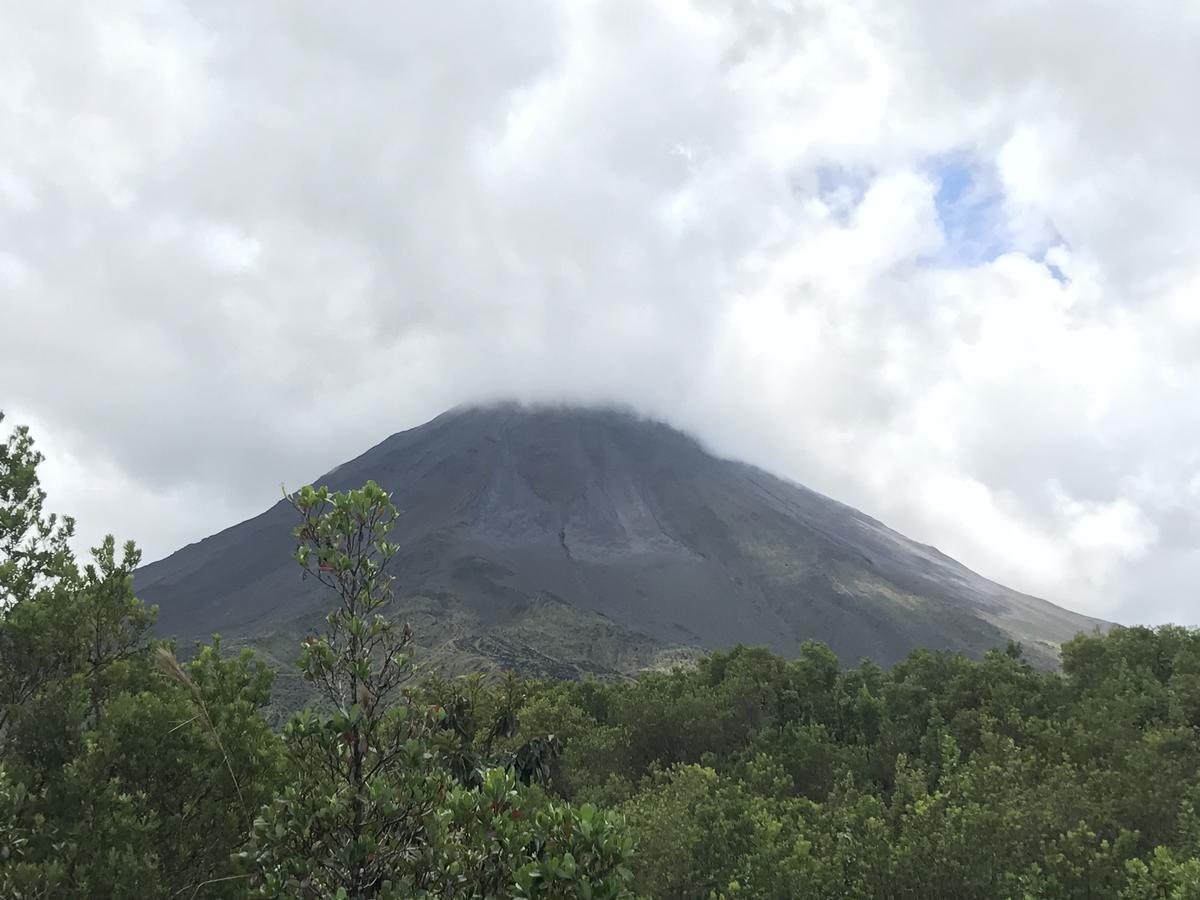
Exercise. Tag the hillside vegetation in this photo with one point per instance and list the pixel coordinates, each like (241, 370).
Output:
(125, 773)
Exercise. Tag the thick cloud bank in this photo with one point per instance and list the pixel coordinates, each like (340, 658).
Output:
(940, 261)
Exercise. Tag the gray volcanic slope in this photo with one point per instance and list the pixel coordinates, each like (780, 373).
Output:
(596, 517)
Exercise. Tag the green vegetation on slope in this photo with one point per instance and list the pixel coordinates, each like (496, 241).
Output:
(124, 773)
(549, 640)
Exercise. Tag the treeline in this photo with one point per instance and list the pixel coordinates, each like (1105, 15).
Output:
(126, 773)
(942, 777)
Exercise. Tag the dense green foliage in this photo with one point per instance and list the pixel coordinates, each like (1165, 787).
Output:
(943, 777)
(125, 773)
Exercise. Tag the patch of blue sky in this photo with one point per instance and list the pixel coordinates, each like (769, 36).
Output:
(969, 203)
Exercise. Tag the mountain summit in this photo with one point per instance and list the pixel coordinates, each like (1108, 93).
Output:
(570, 540)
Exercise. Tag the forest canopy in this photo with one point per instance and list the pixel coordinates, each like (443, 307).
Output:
(125, 772)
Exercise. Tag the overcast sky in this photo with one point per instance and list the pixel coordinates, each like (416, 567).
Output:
(938, 260)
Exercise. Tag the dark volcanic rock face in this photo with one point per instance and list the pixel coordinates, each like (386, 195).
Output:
(507, 509)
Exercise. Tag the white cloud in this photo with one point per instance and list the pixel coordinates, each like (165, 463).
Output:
(241, 242)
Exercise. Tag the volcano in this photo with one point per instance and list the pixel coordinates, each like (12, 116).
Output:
(568, 541)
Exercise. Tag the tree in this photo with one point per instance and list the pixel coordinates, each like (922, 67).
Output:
(110, 773)
(34, 546)
(37, 574)
(378, 803)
